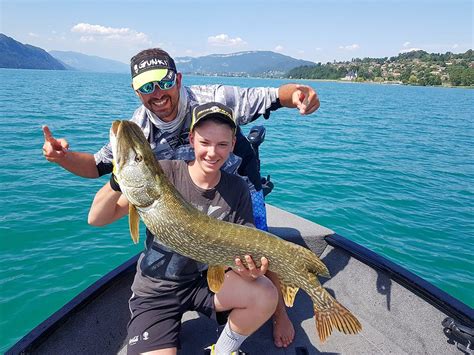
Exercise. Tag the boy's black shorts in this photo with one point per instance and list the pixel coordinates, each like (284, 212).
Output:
(156, 321)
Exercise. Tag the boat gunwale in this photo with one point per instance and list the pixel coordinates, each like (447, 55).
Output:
(414, 283)
(40, 333)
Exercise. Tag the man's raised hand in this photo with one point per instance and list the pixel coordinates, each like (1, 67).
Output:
(53, 149)
(306, 99)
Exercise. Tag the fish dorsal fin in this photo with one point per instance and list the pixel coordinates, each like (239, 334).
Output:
(311, 261)
(288, 290)
(133, 223)
(215, 277)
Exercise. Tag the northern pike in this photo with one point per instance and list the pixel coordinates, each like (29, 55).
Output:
(178, 225)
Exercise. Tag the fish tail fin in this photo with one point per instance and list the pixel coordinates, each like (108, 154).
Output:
(330, 314)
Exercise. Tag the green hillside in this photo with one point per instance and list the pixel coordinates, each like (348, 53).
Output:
(14, 54)
(413, 68)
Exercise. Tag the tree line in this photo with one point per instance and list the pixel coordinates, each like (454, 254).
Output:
(412, 68)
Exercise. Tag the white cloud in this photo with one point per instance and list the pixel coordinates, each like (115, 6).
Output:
(98, 29)
(279, 48)
(87, 39)
(410, 50)
(32, 34)
(90, 33)
(351, 47)
(318, 49)
(225, 40)
(406, 44)
(455, 45)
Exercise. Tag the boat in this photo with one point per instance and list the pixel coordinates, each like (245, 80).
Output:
(400, 312)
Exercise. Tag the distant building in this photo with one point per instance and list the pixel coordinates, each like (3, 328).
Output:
(350, 76)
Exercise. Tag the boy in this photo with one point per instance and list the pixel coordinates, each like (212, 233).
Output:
(168, 284)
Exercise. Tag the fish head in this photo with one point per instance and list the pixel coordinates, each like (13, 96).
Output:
(135, 166)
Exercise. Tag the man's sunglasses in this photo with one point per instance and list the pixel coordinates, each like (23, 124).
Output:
(149, 88)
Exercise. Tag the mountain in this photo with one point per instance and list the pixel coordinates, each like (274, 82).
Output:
(252, 63)
(82, 62)
(14, 54)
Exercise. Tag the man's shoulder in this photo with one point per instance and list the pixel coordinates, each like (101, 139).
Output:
(139, 115)
(208, 87)
(216, 90)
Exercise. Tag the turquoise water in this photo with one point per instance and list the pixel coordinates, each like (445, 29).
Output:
(390, 167)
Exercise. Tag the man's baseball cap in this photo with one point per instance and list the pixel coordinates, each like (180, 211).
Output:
(215, 110)
(152, 67)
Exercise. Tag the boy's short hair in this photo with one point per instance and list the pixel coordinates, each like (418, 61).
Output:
(214, 111)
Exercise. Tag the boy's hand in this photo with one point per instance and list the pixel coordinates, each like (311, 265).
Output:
(251, 272)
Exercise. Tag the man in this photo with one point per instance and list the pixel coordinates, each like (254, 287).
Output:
(168, 284)
(165, 118)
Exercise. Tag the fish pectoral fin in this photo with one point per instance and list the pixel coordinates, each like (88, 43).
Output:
(133, 223)
(288, 290)
(215, 277)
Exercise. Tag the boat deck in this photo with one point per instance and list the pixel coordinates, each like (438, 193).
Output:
(395, 320)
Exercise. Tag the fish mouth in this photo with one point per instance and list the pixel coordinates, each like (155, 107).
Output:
(115, 127)
(113, 140)
(130, 186)
(122, 143)
(147, 208)
(130, 153)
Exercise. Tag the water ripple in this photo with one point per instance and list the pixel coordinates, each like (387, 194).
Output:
(390, 167)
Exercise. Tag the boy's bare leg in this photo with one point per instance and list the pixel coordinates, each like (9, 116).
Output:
(283, 330)
(252, 302)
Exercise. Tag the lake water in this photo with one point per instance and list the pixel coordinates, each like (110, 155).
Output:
(390, 167)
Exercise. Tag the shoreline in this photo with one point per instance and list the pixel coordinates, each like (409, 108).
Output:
(389, 83)
(270, 78)
(395, 83)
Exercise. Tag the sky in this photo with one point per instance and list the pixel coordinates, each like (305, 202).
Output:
(319, 31)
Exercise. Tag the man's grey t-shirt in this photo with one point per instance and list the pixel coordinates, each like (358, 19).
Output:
(229, 201)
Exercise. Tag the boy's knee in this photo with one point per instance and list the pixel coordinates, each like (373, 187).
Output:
(267, 297)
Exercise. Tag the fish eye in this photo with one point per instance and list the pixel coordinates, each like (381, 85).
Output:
(138, 158)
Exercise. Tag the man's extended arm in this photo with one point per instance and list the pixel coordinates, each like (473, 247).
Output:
(56, 151)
